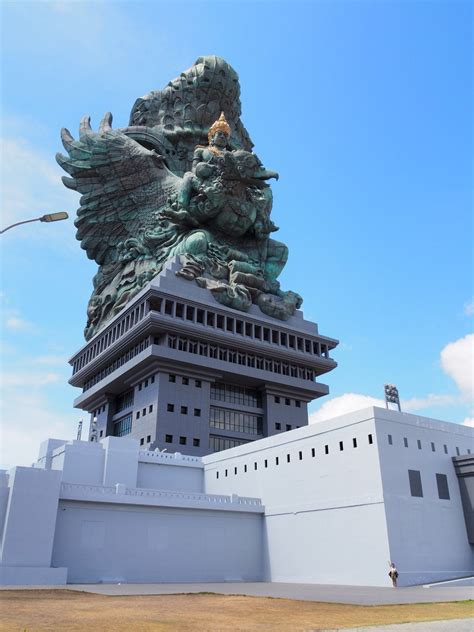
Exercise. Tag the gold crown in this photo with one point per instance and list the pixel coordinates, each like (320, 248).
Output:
(221, 124)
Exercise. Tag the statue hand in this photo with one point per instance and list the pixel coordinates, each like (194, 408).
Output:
(179, 217)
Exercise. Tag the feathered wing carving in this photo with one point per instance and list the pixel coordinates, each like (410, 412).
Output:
(123, 187)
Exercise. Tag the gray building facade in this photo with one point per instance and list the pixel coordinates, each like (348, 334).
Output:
(176, 370)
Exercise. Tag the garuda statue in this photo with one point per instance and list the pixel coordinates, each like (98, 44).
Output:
(180, 180)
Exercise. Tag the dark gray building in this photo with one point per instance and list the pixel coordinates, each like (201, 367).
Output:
(177, 370)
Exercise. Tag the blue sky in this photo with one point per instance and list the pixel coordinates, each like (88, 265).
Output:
(364, 108)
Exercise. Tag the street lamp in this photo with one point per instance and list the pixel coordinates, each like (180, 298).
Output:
(51, 217)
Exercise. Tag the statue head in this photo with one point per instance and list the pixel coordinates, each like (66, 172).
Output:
(219, 132)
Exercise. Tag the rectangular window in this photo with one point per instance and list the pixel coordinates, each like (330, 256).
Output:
(184, 410)
(171, 378)
(265, 463)
(217, 474)
(288, 458)
(137, 416)
(288, 427)
(142, 441)
(143, 412)
(405, 442)
(101, 434)
(341, 446)
(313, 452)
(197, 412)
(170, 408)
(297, 403)
(197, 383)
(245, 468)
(326, 449)
(445, 449)
(140, 386)
(418, 443)
(255, 465)
(390, 440)
(225, 472)
(277, 399)
(146, 383)
(443, 490)
(416, 488)
(457, 451)
(287, 401)
(123, 426)
(433, 448)
(182, 441)
(185, 381)
(148, 439)
(277, 460)
(371, 440)
(168, 438)
(277, 426)
(354, 442)
(196, 443)
(150, 408)
(300, 454)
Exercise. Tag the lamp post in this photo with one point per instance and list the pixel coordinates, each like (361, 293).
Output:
(51, 217)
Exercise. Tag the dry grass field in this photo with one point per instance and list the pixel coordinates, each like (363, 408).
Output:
(58, 610)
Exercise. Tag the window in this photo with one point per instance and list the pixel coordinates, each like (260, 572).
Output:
(416, 488)
(288, 427)
(445, 449)
(143, 412)
(217, 474)
(150, 408)
(197, 383)
(170, 408)
(148, 439)
(433, 448)
(182, 441)
(185, 381)
(184, 410)
(297, 403)
(457, 451)
(124, 401)
(197, 412)
(371, 440)
(146, 383)
(288, 458)
(171, 378)
(236, 394)
(390, 440)
(277, 426)
(236, 421)
(287, 401)
(226, 472)
(341, 445)
(168, 438)
(101, 434)
(140, 386)
(265, 463)
(277, 399)
(235, 471)
(443, 490)
(142, 441)
(300, 455)
(405, 442)
(216, 444)
(152, 380)
(137, 416)
(354, 442)
(418, 443)
(123, 426)
(277, 460)
(196, 443)
(255, 466)
(245, 468)
(313, 452)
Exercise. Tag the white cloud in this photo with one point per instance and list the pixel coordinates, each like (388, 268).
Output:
(343, 404)
(31, 184)
(469, 308)
(457, 361)
(415, 403)
(15, 323)
(29, 379)
(469, 421)
(50, 360)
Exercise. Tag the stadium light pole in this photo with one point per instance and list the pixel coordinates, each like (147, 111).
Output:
(51, 217)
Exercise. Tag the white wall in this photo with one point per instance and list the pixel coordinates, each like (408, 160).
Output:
(103, 543)
(428, 538)
(325, 520)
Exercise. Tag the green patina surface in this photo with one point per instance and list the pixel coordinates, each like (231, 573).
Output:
(180, 180)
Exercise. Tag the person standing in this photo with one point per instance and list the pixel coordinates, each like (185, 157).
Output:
(393, 574)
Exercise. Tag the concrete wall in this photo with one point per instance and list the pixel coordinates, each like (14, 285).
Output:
(428, 539)
(119, 543)
(324, 514)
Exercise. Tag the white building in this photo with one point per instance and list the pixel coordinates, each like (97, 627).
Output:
(327, 503)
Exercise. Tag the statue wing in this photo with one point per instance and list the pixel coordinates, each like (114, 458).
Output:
(123, 186)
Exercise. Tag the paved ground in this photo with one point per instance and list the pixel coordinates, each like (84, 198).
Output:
(363, 595)
(455, 625)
